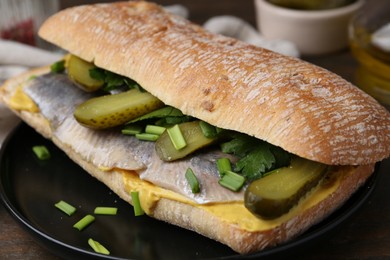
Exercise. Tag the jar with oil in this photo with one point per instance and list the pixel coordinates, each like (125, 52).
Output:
(370, 45)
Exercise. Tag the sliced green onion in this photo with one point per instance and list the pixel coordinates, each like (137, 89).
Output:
(105, 211)
(138, 211)
(192, 180)
(147, 137)
(65, 207)
(232, 181)
(58, 66)
(132, 130)
(154, 129)
(41, 152)
(177, 137)
(32, 77)
(84, 222)
(208, 130)
(223, 165)
(97, 247)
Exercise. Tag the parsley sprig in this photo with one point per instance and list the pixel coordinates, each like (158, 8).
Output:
(112, 80)
(256, 157)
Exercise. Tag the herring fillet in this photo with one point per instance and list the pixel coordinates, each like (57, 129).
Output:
(57, 97)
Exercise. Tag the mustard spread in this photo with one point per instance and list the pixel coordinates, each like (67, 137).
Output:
(231, 212)
(21, 101)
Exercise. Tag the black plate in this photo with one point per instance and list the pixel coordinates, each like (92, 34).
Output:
(29, 188)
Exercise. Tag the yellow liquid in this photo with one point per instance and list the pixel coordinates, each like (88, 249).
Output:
(373, 74)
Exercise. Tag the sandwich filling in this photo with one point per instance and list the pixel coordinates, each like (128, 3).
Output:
(142, 169)
(231, 210)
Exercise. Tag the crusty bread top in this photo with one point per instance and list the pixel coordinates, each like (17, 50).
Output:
(292, 104)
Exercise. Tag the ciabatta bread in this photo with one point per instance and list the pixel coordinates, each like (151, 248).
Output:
(302, 108)
(287, 102)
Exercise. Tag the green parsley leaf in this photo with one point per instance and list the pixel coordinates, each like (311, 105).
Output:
(256, 157)
(282, 158)
(133, 84)
(98, 74)
(112, 80)
(158, 114)
(240, 145)
(256, 162)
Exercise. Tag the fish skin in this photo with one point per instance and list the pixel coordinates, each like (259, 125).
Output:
(171, 175)
(109, 149)
(101, 148)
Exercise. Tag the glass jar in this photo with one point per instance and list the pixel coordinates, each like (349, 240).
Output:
(369, 34)
(20, 19)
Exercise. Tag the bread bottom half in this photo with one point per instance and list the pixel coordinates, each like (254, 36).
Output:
(330, 195)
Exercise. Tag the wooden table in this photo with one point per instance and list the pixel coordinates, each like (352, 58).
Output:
(366, 234)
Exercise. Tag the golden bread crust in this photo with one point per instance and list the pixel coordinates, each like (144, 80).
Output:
(300, 107)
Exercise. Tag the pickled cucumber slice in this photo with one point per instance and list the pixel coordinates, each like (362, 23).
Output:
(275, 194)
(193, 136)
(78, 71)
(113, 110)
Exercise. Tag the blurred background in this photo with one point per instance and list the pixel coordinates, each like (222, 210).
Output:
(199, 14)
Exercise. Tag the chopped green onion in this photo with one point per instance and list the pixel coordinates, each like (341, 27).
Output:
(58, 66)
(154, 129)
(65, 207)
(97, 247)
(223, 165)
(32, 77)
(208, 130)
(138, 211)
(177, 137)
(147, 137)
(132, 130)
(41, 152)
(192, 180)
(84, 222)
(232, 181)
(105, 211)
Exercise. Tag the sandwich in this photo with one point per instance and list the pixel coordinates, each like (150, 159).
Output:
(237, 143)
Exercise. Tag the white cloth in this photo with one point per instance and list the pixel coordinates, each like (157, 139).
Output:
(16, 58)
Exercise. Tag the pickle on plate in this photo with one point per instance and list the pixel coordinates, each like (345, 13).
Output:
(114, 110)
(78, 71)
(275, 194)
(193, 136)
